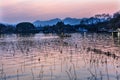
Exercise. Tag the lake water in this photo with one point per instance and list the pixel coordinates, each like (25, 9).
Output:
(86, 56)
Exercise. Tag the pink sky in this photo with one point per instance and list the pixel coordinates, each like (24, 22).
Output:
(31, 10)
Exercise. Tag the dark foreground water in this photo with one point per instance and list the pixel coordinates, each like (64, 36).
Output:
(85, 56)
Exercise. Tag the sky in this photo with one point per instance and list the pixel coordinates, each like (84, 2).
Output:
(14, 11)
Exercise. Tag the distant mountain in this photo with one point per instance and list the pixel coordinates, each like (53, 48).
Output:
(51, 22)
(68, 20)
(71, 21)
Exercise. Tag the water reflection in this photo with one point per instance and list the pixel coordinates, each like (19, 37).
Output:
(87, 56)
(25, 35)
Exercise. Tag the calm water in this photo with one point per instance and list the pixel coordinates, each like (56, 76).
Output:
(48, 57)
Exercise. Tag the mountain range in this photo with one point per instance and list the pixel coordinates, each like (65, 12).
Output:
(68, 20)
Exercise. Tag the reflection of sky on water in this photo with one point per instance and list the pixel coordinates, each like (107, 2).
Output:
(54, 58)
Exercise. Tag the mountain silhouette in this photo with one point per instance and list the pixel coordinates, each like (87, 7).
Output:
(51, 22)
(68, 20)
(71, 21)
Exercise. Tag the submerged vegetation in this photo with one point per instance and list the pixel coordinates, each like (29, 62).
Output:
(92, 56)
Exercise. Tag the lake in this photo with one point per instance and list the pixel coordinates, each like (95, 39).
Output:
(83, 56)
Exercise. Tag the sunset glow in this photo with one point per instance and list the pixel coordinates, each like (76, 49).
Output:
(30, 10)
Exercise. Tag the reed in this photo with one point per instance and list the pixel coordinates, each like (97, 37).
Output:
(17, 74)
(32, 74)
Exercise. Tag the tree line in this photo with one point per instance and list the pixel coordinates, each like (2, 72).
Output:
(97, 23)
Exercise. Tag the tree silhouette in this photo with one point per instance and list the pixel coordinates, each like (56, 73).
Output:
(25, 27)
(2, 28)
